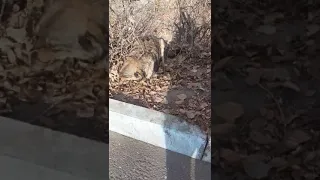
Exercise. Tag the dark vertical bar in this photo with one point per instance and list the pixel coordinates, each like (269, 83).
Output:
(261, 122)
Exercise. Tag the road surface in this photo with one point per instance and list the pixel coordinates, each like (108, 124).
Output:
(130, 159)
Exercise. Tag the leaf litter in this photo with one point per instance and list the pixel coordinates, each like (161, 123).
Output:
(266, 122)
(179, 93)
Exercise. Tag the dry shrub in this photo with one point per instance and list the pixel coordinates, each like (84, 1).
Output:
(192, 27)
(184, 24)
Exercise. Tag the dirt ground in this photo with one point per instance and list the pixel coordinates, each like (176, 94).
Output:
(61, 86)
(265, 90)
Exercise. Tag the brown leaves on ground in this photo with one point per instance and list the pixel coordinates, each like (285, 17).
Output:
(267, 55)
(256, 169)
(183, 90)
(229, 111)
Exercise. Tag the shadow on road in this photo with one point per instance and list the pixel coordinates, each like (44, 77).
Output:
(180, 166)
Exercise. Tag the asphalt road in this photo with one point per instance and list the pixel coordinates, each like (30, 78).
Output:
(130, 159)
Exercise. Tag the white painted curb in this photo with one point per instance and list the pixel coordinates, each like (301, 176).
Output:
(157, 128)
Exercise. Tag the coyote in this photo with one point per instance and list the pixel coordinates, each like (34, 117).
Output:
(144, 59)
(74, 28)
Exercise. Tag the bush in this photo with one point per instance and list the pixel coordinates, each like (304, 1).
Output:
(184, 24)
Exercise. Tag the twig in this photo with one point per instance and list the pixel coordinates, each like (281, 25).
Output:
(275, 100)
(3, 4)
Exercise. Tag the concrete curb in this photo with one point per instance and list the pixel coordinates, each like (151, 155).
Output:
(159, 129)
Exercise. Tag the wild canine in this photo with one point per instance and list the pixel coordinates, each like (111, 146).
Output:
(144, 59)
(73, 28)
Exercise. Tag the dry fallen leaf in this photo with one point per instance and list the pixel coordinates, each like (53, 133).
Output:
(85, 112)
(278, 162)
(256, 169)
(220, 129)
(8, 85)
(190, 114)
(254, 76)
(296, 137)
(165, 101)
(53, 67)
(310, 92)
(229, 111)
(203, 105)
(312, 29)
(273, 74)
(157, 99)
(3, 100)
(182, 96)
(179, 102)
(5, 43)
(194, 70)
(291, 85)
(311, 175)
(267, 29)
(46, 55)
(256, 157)
(261, 138)
(270, 18)
(286, 84)
(263, 111)
(257, 123)
(230, 156)
(312, 155)
(17, 34)
(270, 114)
(221, 63)
(11, 56)
(57, 99)
(18, 52)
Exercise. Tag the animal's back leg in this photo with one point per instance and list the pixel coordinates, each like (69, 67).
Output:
(162, 53)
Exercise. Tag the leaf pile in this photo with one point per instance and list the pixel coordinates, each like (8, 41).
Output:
(266, 89)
